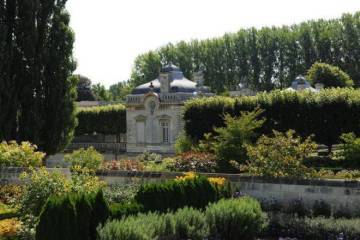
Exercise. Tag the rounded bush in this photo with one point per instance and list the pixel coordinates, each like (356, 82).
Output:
(234, 219)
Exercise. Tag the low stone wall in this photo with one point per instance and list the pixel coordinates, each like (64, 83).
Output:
(338, 193)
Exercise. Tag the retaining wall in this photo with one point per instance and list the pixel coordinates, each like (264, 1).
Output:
(338, 193)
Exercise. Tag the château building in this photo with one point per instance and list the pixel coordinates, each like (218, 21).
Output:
(154, 110)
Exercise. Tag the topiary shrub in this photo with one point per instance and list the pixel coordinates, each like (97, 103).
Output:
(72, 217)
(234, 219)
(58, 220)
(191, 190)
(329, 76)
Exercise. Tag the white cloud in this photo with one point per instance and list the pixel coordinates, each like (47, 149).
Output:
(111, 33)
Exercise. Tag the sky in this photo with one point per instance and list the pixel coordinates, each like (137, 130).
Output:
(111, 33)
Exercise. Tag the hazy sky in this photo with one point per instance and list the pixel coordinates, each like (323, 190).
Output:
(111, 33)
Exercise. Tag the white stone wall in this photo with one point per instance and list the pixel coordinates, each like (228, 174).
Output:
(153, 132)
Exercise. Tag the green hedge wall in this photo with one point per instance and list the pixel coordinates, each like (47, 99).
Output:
(109, 119)
(326, 115)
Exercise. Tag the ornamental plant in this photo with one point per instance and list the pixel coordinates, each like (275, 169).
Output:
(351, 149)
(195, 161)
(24, 154)
(39, 185)
(230, 141)
(233, 219)
(188, 190)
(280, 155)
(330, 76)
(85, 158)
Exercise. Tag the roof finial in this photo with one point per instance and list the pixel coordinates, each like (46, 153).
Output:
(151, 86)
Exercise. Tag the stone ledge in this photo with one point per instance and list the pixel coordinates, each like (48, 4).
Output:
(5, 172)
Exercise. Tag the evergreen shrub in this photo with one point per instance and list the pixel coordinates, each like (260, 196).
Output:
(326, 114)
(72, 217)
(194, 192)
(109, 119)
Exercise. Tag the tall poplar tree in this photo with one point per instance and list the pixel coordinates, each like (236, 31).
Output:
(37, 91)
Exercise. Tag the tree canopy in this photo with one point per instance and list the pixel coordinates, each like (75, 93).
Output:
(37, 91)
(263, 59)
(329, 76)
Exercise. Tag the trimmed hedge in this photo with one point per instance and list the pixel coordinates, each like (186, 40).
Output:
(326, 114)
(228, 219)
(72, 217)
(109, 119)
(175, 194)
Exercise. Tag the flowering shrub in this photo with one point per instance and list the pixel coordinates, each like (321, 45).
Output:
(217, 181)
(85, 158)
(39, 186)
(148, 156)
(124, 165)
(84, 181)
(195, 161)
(25, 154)
(10, 194)
(121, 193)
(280, 156)
(9, 228)
(186, 176)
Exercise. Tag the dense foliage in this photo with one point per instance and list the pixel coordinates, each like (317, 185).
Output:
(40, 184)
(190, 190)
(84, 92)
(72, 216)
(20, 155)
(234, 219)
(351, 149)
(327, 114)
(85, 158)
(37, 90)
(280, 156)
(109, 119)
(329, 76)
(230, 141)
(261, 58)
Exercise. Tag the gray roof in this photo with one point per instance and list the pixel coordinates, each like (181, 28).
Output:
(178, 83)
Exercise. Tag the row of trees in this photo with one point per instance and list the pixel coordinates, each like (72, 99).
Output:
(37, 91)
(263, 58)
(89, 92)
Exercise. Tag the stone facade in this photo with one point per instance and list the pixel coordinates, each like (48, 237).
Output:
(154, 111)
